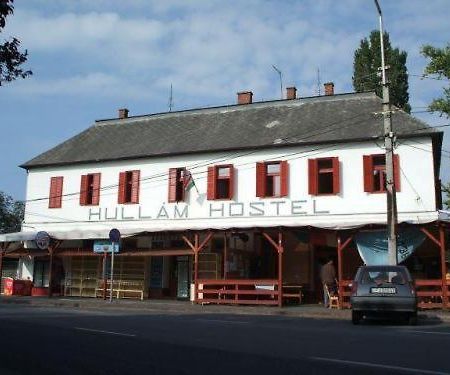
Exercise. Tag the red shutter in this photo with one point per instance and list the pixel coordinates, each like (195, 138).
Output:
(397, 172)
(211, 189)
(336, 176)
(172, 192)
(231, 195)
(83, 190)
(312, 177)
(135, 181)
(368, 173)
(122, 187)
(96, 188)
(56, 188)
(284, 177)
(260, 180)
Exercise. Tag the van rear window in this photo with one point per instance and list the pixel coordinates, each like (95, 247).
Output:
(383, 277)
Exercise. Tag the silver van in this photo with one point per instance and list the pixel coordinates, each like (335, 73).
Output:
(383, 290)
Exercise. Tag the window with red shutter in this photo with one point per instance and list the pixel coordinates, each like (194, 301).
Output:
(284, 172)
(176, 185)
(260, 180)
(272, 179)
(129, 187)
(90, 189)
(96, 178)
(312, 177)
(56, 191)
(323, 176)
(220, 182)
(375, 173)
(122, 187)
(368, 173)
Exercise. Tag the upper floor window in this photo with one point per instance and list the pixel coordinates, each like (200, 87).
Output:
(375, 173)
(129, 187)
(323, 176)
(56, 190)
(220, 182)
(90, 189)
(272, 179)
(176, 184)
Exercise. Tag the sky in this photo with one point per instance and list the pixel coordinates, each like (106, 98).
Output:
(91, 57)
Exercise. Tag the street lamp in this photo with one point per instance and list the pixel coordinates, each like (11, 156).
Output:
(389, 146)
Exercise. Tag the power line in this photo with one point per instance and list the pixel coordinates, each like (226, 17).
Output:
(208, 162)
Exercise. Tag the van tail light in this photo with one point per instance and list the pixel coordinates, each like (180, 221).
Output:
(412, 284)
(354, 286)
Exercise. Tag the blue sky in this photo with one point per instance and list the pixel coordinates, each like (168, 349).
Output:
(90, 58)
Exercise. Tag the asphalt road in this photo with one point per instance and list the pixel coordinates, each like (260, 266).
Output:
(72, 341)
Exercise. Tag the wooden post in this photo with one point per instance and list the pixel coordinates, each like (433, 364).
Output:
(340, 286)
(196, 240)
(443, 267)
(225, 256)
(50, 272)
(105, 283)
(280, 268)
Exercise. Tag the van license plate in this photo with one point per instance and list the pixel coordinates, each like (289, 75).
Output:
(383, 290)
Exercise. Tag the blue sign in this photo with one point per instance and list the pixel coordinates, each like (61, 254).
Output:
(105, 246)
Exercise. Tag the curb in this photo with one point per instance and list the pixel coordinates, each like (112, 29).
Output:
(306, 311)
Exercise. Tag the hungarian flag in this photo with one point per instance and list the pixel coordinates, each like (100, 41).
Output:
(188, 181)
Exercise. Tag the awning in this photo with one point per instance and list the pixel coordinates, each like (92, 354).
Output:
(93, 230)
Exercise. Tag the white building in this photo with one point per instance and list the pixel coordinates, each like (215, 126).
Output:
(299, 176)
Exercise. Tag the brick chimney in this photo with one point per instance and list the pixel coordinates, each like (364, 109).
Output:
(123, 113)
(244, 97)
(291, 93)
(329, 88)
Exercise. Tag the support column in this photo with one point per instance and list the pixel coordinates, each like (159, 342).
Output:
(340, 270)
(340, 248)
(279, 248)
(225, 245)
(50, 271)
(443, 267)
(280, 269)
(105, 282)
(196, 267)
(51, 250)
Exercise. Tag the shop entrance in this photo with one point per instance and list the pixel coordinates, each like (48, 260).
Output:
(170, 277)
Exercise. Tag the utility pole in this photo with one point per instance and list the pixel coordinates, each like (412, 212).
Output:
(389, 146)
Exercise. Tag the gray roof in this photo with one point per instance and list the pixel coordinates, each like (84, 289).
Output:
(312, 120)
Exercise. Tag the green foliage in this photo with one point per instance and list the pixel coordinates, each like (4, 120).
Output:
(445, 188)
(11, 58)
(439, 67)
(11, 214)
(367, 61)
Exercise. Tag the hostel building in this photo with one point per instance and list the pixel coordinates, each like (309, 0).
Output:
(233, 204)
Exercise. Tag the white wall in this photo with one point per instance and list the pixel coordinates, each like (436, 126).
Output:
(416, 201)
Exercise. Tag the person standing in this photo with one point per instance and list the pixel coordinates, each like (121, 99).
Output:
(328, 279)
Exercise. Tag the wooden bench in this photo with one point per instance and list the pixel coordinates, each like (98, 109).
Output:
(293, 292)
(122, 289)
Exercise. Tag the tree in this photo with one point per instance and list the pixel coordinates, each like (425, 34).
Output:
(439, 67)
(11, 58)
(445, 189)
(11, 214)
(367, 61)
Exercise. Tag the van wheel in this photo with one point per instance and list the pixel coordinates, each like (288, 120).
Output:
(356, 317)
(412, 319)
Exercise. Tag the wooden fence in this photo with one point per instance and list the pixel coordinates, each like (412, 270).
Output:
(431, 294)
(239, 292)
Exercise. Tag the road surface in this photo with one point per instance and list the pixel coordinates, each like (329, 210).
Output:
(38, 340)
